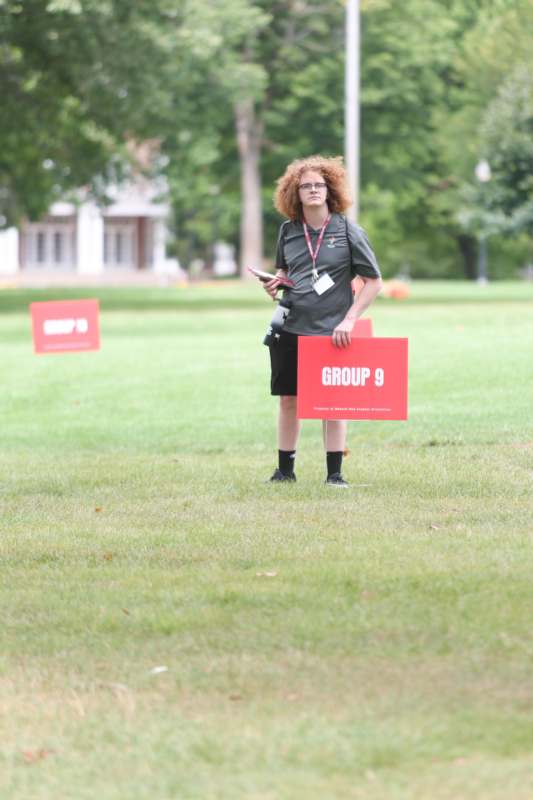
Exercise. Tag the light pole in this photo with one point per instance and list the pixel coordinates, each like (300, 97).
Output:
(351, 104)
(483, 174)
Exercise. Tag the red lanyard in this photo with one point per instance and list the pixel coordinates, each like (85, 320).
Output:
(314, 253)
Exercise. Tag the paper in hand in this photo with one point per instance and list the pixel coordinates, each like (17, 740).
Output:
(267, 276)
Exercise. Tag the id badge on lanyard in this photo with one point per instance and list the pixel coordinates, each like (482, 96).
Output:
(323, 282)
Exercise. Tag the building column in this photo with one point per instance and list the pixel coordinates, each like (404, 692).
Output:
(158, 246)
(90, 240)
(9, 252)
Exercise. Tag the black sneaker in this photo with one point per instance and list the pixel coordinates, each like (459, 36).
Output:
(336, 479)
(280, 476)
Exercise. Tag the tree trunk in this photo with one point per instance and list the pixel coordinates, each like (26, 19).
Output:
(468, 247)
(249, 136)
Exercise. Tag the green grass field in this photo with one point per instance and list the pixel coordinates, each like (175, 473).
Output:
(374, 643)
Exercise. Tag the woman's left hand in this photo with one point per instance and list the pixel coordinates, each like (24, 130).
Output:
(342, 335)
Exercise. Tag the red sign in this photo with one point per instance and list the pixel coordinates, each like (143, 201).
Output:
(65, 326)
(367, 380)
(362, 327)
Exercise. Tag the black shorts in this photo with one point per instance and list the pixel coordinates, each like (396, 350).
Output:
(284, 364)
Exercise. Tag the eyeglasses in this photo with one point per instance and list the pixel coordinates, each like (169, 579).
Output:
(307, 187)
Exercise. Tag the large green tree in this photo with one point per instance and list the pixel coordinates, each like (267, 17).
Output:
(272, 75)
(475, 124)
(76, 77)
(507, 140)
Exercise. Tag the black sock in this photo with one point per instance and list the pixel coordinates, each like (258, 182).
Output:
(334, 460)
(286, 461)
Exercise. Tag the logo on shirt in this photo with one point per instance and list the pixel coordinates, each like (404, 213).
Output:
(331, 242)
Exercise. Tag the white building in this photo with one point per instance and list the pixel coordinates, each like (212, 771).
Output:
(83, 241)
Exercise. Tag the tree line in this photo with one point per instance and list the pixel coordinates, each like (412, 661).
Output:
(231, 92)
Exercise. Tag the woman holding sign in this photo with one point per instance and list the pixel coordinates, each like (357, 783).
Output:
(320, 252)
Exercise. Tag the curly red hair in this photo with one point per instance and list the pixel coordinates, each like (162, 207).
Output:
(287, 199)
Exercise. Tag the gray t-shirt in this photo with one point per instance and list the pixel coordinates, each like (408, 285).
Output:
(345, 253)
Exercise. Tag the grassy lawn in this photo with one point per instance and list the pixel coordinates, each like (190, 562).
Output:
(173, 627)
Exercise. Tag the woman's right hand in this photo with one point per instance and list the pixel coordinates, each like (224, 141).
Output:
(271, 287)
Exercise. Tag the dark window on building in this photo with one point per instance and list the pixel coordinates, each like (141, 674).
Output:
(118, 248)
(58, 247)
(41, 251)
